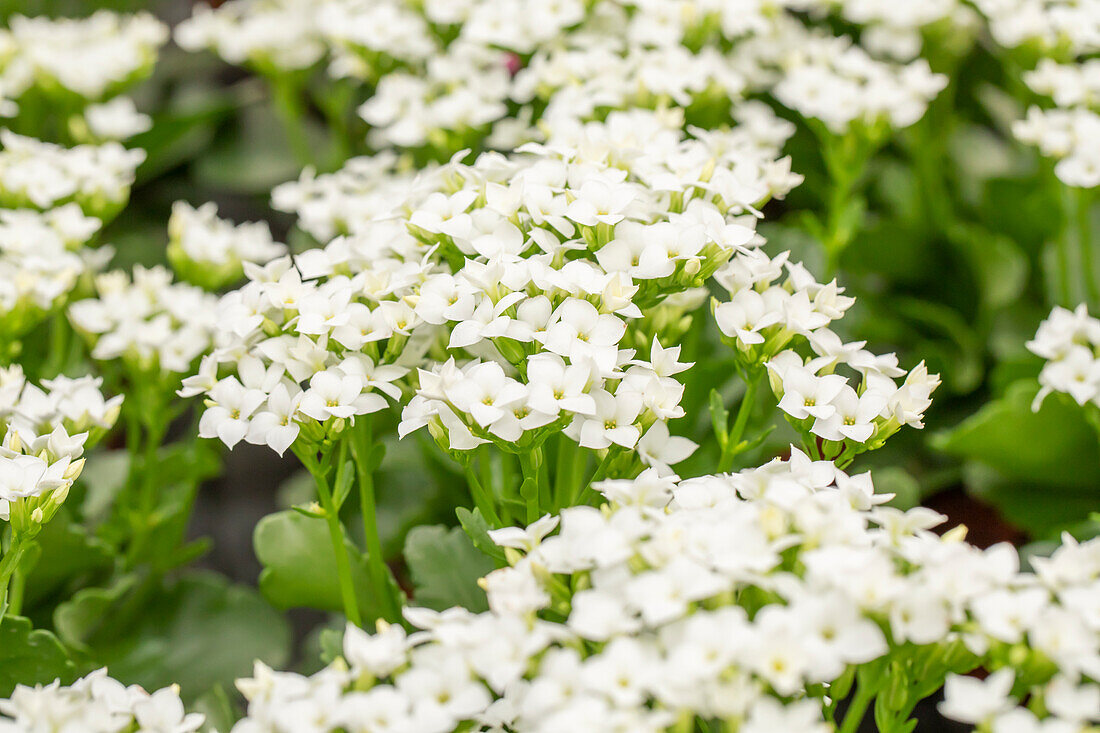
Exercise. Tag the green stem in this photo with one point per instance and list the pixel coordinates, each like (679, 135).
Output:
(145, 483)
(287, 96)
(729, 450)
(1084, 242)
(563, 469)
(530, 462)
(482, 500)
(586, 494)
(9, 564)
(15, 595)
(59, 346)
(362, 447)
(336, 535)
(1062, 244)
(854, 715)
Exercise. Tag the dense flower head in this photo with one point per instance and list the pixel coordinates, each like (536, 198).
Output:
(209, 251)
(148, 321)
(88, 57)
(523, 286)
(1069, 132)
(42, 175)
(1058, 26)
(96, 703)
(569, 264)
(895, 29)
(42, 259)
(1069, 341)
(118, 119)
(349, 200)
(777, 317)
(444, 76)
(748, 597)
(835, 81)
(43, 434)
(273, 34)
(1070, 136)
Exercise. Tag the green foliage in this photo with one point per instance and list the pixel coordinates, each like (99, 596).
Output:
(198, 631)
(30, 656)
(298, 570)
(445, 567)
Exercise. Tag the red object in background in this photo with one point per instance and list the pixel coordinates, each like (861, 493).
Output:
(985, 525)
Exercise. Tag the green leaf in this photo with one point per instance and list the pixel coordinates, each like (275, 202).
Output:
(298, 566)
(216, 705)
(89, 610)
(1054, 446)
(1042, 511)
(68, 552)
(719, 416)
(257, 156)
(30, 656)
(445, 567)
(899, 482)
(1000, 266)
(477, 529)
(199, 631)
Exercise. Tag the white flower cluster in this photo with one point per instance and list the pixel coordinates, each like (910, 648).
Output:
(335, 330)
(1070, 343)
(1055, 26)
(1070, 131)
(42, 258)
(764, 320)
(271, 34)
(42, 175)
(210, 251)
(992, 705)
(895, 29)
(44, 433)
(96, 703)
(835, 81)
(348, 201)
(565, 260)
(717, 598)
(148, 321)
(448, 74)
(88, 57)
(117, 119)
(531, 279)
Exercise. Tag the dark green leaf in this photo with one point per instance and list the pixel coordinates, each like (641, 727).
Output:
(30, 656)
(445, 567)
(477, 529)
(200, 631)
(299, 568)
(68, 552)
(1055, 446)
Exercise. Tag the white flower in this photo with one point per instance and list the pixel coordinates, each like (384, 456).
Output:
(227, 418)
(970, 700)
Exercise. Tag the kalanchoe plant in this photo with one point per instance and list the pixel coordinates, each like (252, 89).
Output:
(755, 601)
(555, 277)
(45, 433)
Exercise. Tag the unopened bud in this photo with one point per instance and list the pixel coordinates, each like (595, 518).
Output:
(956, 534)
(74, 470)
(59, 495)
(37, 516)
